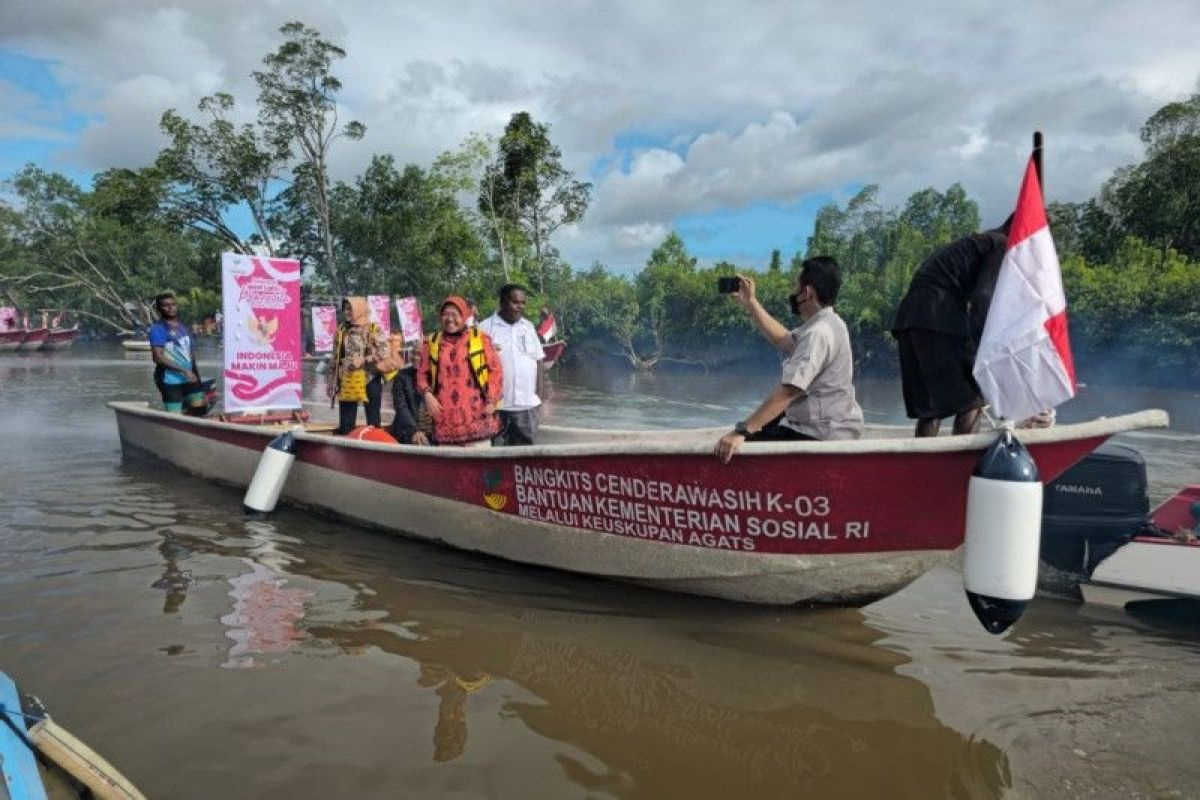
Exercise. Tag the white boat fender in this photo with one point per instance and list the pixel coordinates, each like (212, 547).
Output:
(267, 484)
(1004, 529)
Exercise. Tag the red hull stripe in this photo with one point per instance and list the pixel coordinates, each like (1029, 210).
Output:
(803, 504)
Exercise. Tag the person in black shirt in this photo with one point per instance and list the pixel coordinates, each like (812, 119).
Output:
(938, 326)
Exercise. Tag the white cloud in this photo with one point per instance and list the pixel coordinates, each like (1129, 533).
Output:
(739, 103)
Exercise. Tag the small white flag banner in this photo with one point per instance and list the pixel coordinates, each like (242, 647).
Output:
(324, 322)
(409, 311)
(381, 313)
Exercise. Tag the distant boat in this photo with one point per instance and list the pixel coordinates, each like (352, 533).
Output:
(10, 340)
(553, 351)
(60, 338)
(34, 339)
(1098, 534)
(136, 345)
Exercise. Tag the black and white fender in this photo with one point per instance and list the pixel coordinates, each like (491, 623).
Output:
(267, 484)
(1004, 527)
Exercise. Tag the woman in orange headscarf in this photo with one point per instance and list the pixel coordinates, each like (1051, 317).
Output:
(357, 350)
(459, 376)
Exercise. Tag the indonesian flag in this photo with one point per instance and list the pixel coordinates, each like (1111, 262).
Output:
(1024, 363)
(547, 328)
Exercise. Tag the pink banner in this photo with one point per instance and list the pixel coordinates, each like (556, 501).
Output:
(380, 313)
(8, 318)
(409, 311)
(324, 322)
(261, 301)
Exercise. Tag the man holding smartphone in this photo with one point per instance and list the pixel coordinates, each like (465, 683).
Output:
(815, 397)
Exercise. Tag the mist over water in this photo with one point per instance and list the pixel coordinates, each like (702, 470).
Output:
(208, 655)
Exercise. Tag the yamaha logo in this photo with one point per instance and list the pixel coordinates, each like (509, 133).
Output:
(1075, 488)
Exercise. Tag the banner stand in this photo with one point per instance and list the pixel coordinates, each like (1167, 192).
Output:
(262, 339)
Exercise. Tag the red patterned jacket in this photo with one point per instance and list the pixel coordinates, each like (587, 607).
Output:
(464, 417)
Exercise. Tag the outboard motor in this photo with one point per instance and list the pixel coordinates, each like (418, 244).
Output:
(1091, 510)
(1004, 516)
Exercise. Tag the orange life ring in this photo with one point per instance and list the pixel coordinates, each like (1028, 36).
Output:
(369, 433)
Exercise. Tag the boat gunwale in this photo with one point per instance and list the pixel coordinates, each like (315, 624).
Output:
(626, 442)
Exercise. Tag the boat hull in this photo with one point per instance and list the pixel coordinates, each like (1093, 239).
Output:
(1152, 567)
(11, 340)
(1146, 569)
(828, 522)
(34, 339)
(60, 339)
(553, 352)
(136, 345)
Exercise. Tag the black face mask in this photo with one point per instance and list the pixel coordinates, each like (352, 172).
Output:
(794, 302)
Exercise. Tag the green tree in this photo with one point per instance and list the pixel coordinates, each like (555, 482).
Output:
(601, 311)
(879, 249)
(215, 167)
(536, 193)
(297, 107)
(101, 254)
(1158, 200)
(776, 261)
(404, 232)
(470, 168)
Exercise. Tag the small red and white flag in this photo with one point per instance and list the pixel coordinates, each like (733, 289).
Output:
(547, 328)
(1024, 363)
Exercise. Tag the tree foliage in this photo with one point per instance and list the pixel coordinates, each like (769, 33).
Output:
(297, 108)
(529, 186)
(486, 214)
(403, 232)
(1158, 199)
(216, 167)
(99, 255)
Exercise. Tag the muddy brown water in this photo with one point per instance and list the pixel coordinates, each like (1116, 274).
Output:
(212, 656)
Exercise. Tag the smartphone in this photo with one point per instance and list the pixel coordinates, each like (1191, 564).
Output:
(728, 285)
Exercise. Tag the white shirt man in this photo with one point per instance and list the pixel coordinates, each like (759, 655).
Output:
(522, 360)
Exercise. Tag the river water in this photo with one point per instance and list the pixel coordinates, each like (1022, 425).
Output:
(211, 656)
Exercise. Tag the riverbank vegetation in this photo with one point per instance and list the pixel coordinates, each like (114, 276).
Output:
(486, 212)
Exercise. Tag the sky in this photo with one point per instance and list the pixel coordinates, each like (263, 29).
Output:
(729, 122)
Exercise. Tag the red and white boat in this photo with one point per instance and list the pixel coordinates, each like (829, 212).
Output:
(840, 522)
(1101, 541)
(1153, 568)
(34, 339)
(553, 351)
(11, 339)
(60, 338)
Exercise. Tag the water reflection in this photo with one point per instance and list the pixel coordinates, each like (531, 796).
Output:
(264, 617)
(690, 698)
(392, 664)
(175, 580)
(266, 612)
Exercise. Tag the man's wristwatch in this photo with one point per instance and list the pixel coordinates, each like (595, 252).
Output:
(740, 429)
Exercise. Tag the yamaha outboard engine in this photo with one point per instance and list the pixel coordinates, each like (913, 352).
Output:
(1090, 510)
